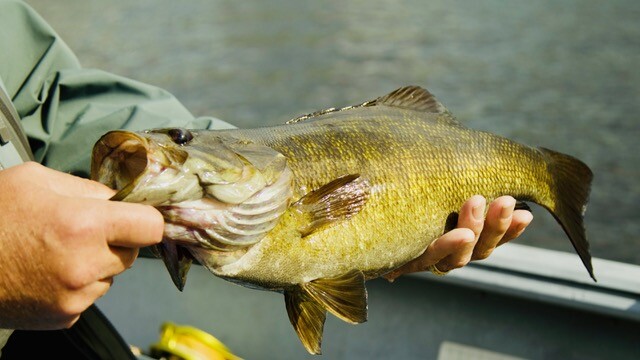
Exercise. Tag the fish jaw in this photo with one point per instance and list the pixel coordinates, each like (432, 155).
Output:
(119, 157)
(143, 170)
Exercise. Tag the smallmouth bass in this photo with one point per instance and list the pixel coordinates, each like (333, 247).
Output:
(316, 207)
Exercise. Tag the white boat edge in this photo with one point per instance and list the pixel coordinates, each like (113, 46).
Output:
(553, 277)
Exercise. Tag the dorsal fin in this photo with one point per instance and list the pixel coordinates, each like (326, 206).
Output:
(408, 97)
(335, 201)
(413, 98)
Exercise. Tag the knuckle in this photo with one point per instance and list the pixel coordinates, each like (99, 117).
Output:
(469, 235)
(458, 263)
(75, 276)
(481, 255)
(72, 228)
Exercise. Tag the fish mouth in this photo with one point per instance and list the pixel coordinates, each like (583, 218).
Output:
(119, 158)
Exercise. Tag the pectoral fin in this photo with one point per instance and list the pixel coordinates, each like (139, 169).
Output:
(344, 296)
(338, 200)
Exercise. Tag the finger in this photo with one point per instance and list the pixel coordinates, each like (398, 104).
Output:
(131, 225)
(520, 220)
(78, 301)
(462, 241)
(497, 222)
(70, 185)
(472, 215)
(450, 243)
(121, 259)
(90, 293)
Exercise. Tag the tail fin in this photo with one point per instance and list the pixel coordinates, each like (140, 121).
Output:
(570, 187)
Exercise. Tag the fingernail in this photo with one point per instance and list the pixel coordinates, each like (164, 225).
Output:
(478, 212)
(506, 212)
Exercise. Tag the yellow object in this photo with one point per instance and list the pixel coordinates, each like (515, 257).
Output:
(180, 342)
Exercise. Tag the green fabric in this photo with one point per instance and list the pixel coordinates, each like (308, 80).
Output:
(65, 108)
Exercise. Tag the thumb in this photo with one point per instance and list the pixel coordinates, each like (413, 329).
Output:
(74, 186)
(131, 225)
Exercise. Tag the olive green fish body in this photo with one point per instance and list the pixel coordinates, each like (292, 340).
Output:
(420, 168)
(315, 207)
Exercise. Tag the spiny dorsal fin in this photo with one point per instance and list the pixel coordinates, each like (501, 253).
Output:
(408, 97)
(338, 200)
(307, 317)
(413, 98)
(344, 296)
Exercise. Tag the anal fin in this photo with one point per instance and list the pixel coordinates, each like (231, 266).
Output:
(344, 296)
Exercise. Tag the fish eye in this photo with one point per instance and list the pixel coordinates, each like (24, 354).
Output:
(180, 136)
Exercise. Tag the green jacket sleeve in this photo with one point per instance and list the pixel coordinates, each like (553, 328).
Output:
(65, 108)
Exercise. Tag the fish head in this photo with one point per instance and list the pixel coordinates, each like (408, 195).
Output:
(167, 166)
(218, 195)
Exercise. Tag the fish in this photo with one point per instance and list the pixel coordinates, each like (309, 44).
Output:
(317, 206)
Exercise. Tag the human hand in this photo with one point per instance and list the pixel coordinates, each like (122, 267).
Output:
(474, 238)
(62, 242)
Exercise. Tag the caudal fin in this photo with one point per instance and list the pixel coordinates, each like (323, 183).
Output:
(570, 189)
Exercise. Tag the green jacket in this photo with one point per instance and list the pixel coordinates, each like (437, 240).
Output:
(65, 108)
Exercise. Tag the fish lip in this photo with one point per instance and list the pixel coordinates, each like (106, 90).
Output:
(125, 149)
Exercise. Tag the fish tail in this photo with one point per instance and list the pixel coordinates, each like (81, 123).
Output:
(570, 187)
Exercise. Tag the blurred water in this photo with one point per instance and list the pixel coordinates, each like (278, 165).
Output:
(559, 74)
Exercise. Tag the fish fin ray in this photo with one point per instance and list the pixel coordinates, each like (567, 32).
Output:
(571, 186)
(329, 111)
(307, 317)
(410, 97)
(414, 98)
(335, 201)
(155, 251)
(344, 296)
(178, 261)
(521, 205)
